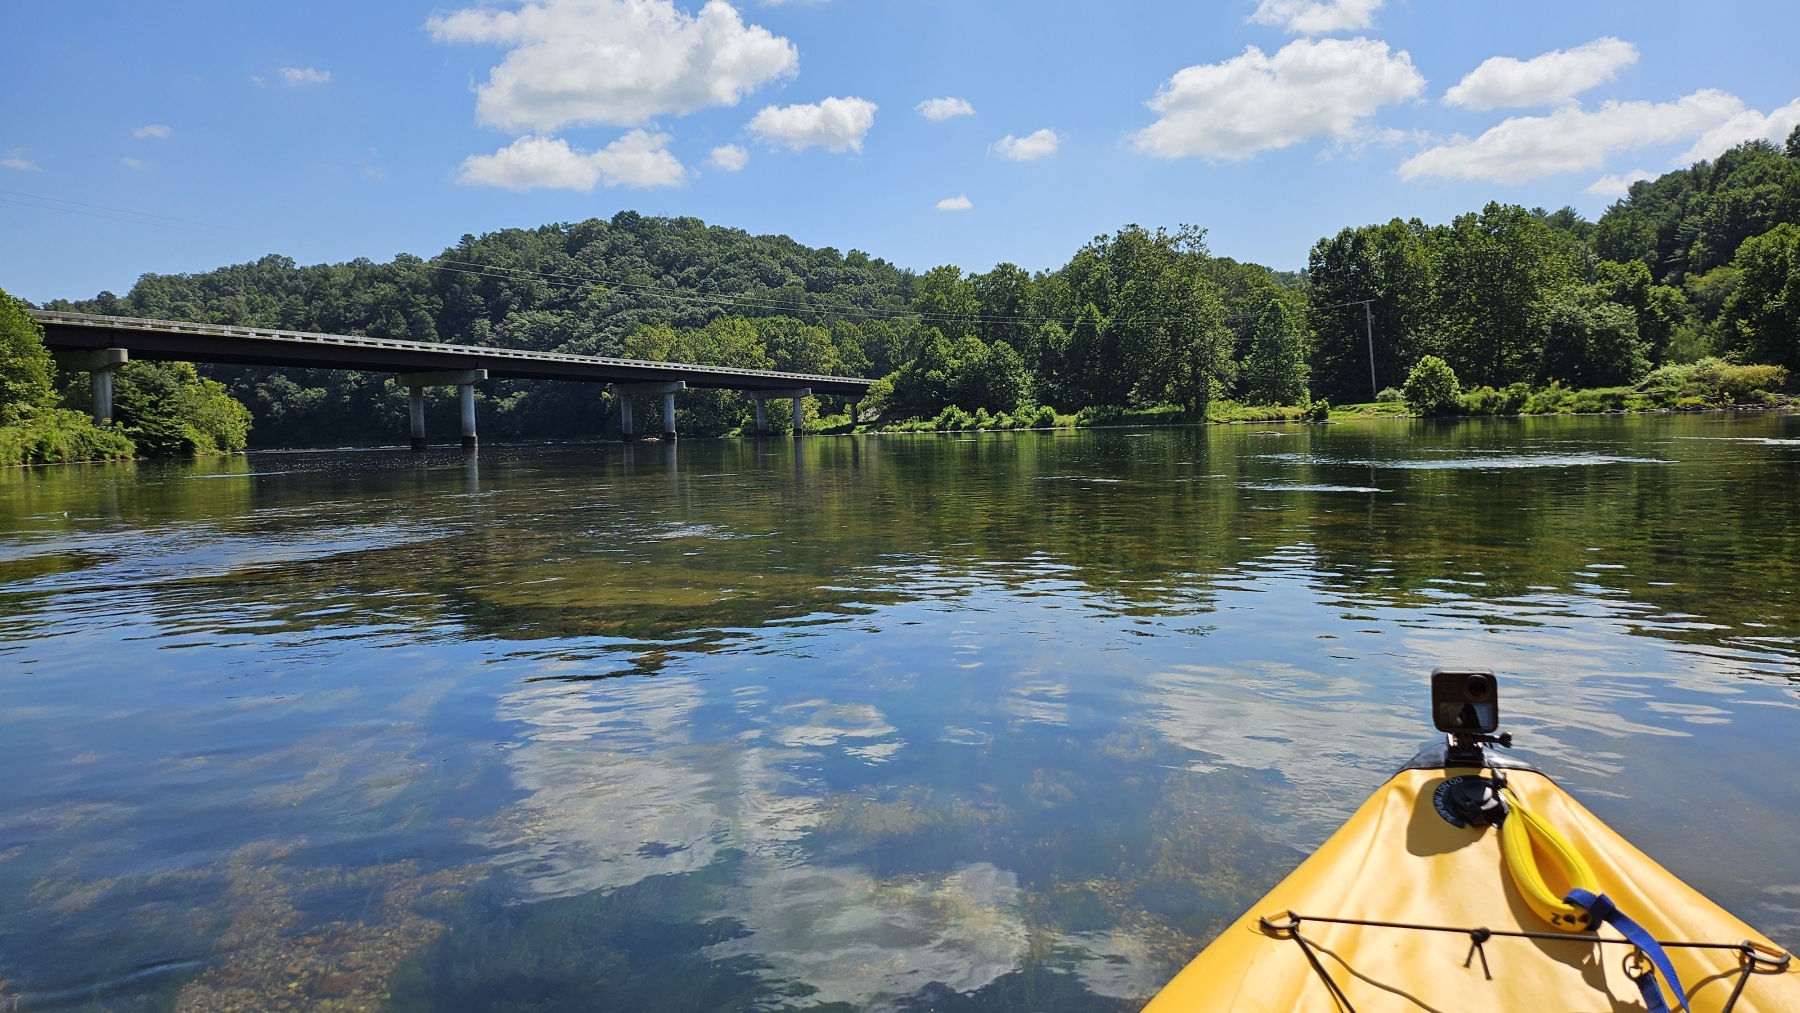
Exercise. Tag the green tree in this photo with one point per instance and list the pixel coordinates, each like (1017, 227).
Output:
(1494, 269)
(1275, 371)
(1431, 387)
(1589, 342)
(1395, 266)
(1761, 320)
(25, 366)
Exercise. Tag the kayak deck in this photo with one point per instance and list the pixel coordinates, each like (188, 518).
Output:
(1435, 887)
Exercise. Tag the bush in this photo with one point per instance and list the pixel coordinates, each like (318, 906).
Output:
(1431, 387)
(1389, 395)
(1712, 382)
(169, 410)
(1318, 411)
(58, 435)
(1488, 401)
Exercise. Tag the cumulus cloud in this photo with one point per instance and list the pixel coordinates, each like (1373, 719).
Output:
(1748, 125)
(153, 130)
(937, 109)
(132, 163)
(1557, 76)
(960, 202)
(618, 62)
(1313, 17)
(638, 159)
(1030, 148)
(1618, 186)
(1571, 139)
(729, 157)
(1255, 102)
(15, 159)
(835, 124)
(294, 77)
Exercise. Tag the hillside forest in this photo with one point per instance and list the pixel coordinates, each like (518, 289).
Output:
(1684, 294)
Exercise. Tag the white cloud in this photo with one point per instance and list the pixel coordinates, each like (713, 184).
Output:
(729, 157)
(1254, 102)
(1571, 139)
(1748, 125)
(619, 62)
(132, 163)
(1030, 148)
(293, 77)
(15, 159)
(944, 108)
(960, 202)
(638, 159)
(835, 124)
(1313, 17)
(1618, 186)
(153, 130)
(1556, 76)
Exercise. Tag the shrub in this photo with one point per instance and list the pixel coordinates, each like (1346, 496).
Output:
(1431, 387)
(57, 435)
(1488, 401)
(1318, 411)
(1389, 395)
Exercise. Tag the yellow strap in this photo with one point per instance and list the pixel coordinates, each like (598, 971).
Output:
(1521, 830)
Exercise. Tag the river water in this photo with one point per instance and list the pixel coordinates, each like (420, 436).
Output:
(988, 722)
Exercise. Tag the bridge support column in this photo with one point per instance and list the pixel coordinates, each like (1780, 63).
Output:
(464, 380)
(667, 389)
(855, 410)
(98, 364)
(759, 396)
(799, 417)
(465, 392)
(415, 410)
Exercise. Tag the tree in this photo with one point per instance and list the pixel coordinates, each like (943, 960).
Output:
(1431, 387)
(25, 366)
(1395, 266)
(1494, 268)
(1275, 372)
(1589, 342)
(1762, 317)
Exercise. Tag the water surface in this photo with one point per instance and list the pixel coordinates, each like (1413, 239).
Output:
(991, 722)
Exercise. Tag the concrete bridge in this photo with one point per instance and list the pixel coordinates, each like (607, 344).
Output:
(97, 345)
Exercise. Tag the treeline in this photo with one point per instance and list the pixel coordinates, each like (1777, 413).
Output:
(1695, 272)
(159, 409)
(1701, 262)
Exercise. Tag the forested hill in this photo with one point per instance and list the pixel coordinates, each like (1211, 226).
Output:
(578, 288)
(1704, 261)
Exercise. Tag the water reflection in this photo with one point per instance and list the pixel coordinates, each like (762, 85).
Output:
(1003, 722)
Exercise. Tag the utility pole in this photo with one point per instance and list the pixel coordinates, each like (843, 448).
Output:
(1369, 325)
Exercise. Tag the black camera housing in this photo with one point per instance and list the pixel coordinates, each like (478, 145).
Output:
(1465, 701)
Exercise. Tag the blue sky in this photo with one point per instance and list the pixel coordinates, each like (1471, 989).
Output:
(332, 130)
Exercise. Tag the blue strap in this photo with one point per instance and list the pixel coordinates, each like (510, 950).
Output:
(1601, 907)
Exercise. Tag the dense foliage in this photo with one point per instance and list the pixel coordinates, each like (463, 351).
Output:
(1139, 325)
(34, 427)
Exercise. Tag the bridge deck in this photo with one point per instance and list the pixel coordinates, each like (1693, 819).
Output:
(255, 346)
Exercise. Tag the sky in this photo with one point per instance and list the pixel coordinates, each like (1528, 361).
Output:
(182, 136)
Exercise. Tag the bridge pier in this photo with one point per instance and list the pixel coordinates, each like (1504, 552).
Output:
(415, 409)
(465, 392)
(464, 380)
(799, 394)
(98, 364)
(625, 391)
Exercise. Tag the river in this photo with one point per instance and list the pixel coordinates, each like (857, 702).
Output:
(978, 722)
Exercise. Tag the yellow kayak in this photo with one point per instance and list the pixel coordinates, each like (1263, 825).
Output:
(1402, 910)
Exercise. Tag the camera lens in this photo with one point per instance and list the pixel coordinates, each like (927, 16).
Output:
(1478, 687)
